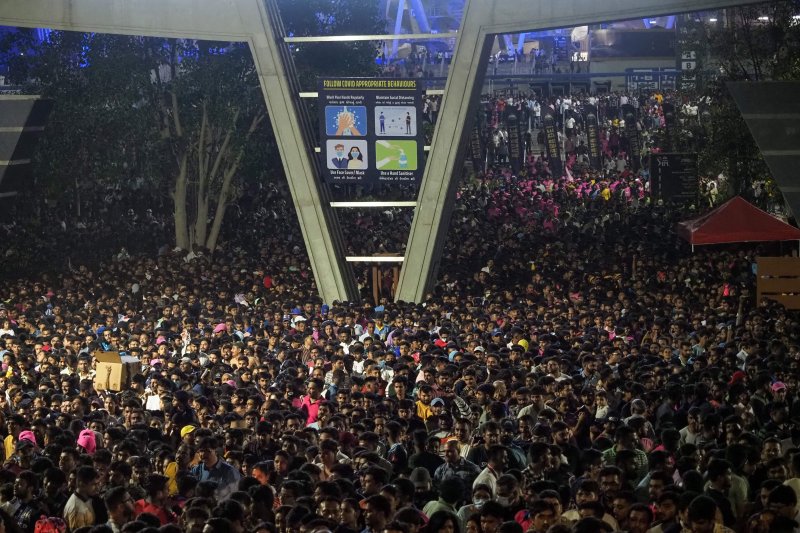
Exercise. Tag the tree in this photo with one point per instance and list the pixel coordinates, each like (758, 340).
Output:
(332, 17)
(169, 116)
(99, 134)
(754, 43)
(210, 111)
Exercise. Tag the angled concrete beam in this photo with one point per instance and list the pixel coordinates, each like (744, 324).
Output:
(230, 20)
(771, 110)
(482, 20)
(319, 226)
(233, 20)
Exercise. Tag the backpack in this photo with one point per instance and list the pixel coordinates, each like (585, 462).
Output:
(50, 524)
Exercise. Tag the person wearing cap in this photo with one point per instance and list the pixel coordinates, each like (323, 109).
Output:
(423, 486)
(155, 503)
(437, 407)
(87, 441)
(187, 434)
(778, 391)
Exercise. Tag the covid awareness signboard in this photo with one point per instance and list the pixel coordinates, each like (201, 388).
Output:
(371, 130)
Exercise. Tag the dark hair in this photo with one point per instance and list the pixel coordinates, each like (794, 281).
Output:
(591, 524)
(509, 527)
(85, 474)
(381, 504)
(492, 508)
(783, 495)
(114, 497)
(642, 508)
(702, 508)
(716, 468)
(439, 519)
(451, 490)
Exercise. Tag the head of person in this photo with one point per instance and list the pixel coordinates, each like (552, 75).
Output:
(783, 501)
(377, 511)
(640, 518)
(702, 514)
(542, 515)
(86, 481)
(498, 457)
(207, 450)
(719, 474)
(492, 515)
(508, 490)
(355, 153)
(120, 505)
(451, 490)
(443, 522)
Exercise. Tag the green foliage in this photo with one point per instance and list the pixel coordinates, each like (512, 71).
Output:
(100, 132)
(743, 48)
(137, 113)
(332, 17)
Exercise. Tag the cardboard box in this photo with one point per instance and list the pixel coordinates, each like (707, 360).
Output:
(114, 371)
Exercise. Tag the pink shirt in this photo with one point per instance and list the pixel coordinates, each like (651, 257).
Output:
(312, 408)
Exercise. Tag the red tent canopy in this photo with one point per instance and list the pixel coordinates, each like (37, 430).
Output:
(736, 220)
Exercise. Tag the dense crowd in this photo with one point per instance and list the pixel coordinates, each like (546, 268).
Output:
(576, 369)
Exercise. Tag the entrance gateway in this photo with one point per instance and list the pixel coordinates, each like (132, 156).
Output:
(257, 22)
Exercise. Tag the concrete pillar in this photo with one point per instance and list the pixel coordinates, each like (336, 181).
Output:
(318, 223)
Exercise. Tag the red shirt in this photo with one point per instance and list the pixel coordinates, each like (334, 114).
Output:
(164, 516)
(312, 408)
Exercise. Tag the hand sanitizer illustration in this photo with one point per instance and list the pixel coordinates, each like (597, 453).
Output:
(403, 160)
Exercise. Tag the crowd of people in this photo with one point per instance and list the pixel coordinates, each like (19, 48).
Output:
(576, 369)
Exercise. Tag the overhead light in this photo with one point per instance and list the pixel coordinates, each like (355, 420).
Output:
(763, 19)
(653, 22)
(712, 20)
(796, 17)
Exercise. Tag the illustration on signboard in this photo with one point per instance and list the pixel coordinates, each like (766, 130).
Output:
(396, 155)
(396, 121)
(346, 121)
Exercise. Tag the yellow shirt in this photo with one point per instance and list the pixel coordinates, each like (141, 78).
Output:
(8, 446)
(171, 471)
(423, 411)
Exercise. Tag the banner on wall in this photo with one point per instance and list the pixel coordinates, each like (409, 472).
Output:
(552, 145)
(476, 150)
(593, 136)
(514, 153)
(670, 120)
(632, 133)
(371, 130)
